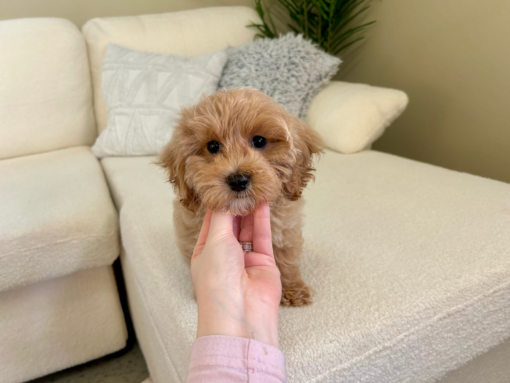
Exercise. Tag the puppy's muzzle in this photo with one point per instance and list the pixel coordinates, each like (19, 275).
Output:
(238, 182)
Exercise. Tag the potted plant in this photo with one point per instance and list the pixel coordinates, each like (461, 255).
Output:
(331, 24)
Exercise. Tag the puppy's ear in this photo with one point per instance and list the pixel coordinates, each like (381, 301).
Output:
(173, 159)
(306, 144)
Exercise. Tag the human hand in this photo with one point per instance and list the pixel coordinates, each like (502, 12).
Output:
(238, 293)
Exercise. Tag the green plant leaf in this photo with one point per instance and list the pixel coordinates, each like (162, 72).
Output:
(344, 36)
(331, 24)
(351, 18)
(348, 45)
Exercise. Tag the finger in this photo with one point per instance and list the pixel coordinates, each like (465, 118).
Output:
(221, 224)
(237, 226)
(204, 231)
(246, 233)
(262, 230)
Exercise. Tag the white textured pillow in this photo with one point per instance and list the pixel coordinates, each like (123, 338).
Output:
(350, 117)
(144, 93)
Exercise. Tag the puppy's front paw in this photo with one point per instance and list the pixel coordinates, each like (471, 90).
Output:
(299, 294)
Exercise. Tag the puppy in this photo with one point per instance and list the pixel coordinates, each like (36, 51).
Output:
(232, 151)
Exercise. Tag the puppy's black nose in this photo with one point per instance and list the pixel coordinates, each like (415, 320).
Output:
(238, 182)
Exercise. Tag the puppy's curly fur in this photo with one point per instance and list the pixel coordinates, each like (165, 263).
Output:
(278, 172)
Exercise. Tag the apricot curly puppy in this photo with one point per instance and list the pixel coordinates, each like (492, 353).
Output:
(232, 151)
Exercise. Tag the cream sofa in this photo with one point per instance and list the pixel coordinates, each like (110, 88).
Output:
(410, 262)
(59, 303)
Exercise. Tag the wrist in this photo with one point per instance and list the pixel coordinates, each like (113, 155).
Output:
(266, 332)
(229, 319)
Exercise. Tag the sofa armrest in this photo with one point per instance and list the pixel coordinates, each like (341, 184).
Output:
(350, 117)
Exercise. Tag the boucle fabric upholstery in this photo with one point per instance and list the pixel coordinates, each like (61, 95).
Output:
(144, 93)
(45, 92)
(410, 264)
(57, 217)
(350, 117)
(59, 323)
(186, 33)
(161, 361)
(289, 69)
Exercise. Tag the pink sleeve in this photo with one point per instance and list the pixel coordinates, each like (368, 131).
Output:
(228, 359)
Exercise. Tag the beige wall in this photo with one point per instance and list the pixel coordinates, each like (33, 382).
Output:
(453, 59)
(79, 11)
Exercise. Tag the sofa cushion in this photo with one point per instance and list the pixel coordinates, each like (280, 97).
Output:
(46, 95)
(410, 264)
(186, 33)
(350, 117)
(59, 323)
(57, 217)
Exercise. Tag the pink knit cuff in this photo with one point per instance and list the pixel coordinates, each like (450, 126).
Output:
(256, 358)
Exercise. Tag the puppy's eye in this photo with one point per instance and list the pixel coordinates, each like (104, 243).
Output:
(213, 147)
(259, 142)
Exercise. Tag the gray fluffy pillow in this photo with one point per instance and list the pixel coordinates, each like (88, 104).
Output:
(290, 69)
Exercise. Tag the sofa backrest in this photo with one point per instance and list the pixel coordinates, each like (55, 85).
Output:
(187, 33)
(45, 89)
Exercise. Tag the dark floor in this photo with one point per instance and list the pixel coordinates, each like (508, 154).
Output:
(129, 367)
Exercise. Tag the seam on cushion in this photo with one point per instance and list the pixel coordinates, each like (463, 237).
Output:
(57, 275)
(160, 341)
(410, 332)
(56, 243)
(47, 151)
